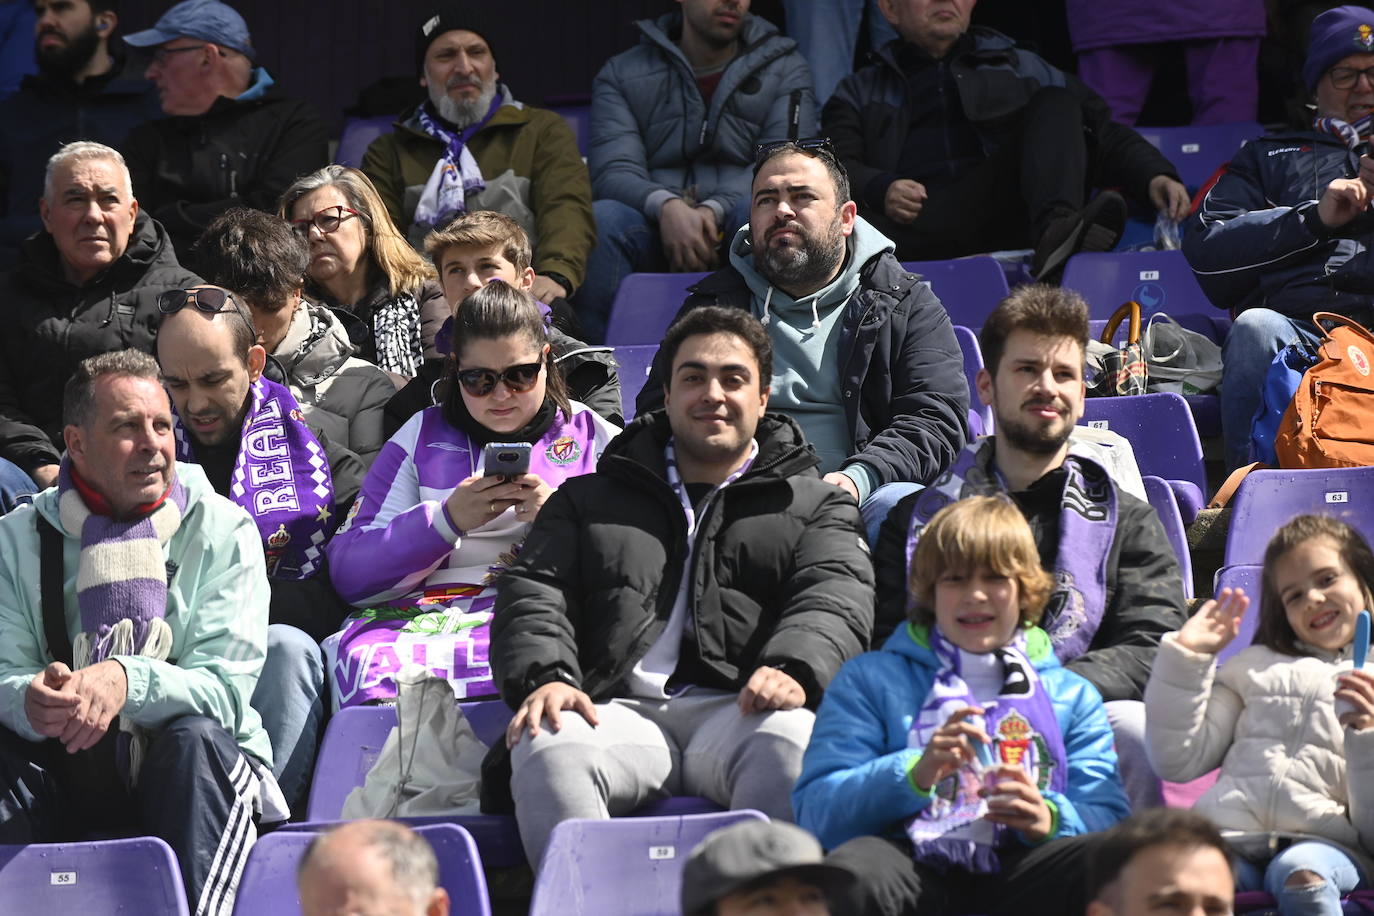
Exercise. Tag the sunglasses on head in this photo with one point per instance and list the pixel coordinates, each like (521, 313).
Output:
(481, 382)
(819, 145)
(208, 299)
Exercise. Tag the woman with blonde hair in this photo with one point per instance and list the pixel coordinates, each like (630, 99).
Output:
(362, 268)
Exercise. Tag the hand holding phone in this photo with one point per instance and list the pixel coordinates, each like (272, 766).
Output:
(506, 459)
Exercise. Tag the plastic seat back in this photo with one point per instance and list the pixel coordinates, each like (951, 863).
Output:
(969, 288)
(1249, 579)
(357, 136)
(1161, 432)
(1197, 151)
(139, 875)
(645, 854)
(1161, 497)
(1161, 281)
(635, 361)
(1267, 499)
(268, 886)
(644, 306)
(973, 362)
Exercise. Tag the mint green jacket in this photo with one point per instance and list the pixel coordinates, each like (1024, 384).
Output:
(216, 607)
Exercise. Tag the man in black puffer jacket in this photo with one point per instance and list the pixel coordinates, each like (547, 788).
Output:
(691, 599)
(87, 284)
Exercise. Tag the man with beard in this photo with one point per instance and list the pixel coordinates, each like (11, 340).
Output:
(231, 137)
(1118, 588)
(865, 356)
(472, 146)
(84, 89)
(689, 601)
(674, 123)
(249, 436)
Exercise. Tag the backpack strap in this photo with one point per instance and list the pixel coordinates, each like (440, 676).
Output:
(50, 583)
(1232, 483)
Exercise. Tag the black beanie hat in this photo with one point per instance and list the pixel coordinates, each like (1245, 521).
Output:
(448, 17)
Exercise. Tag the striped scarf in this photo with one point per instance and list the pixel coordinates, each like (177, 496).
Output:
(121, 578)
(1351, 134)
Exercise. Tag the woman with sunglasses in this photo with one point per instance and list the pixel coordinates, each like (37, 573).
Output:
(431, 530)
(363, 268)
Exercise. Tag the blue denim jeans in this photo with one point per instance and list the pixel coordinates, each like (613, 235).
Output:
(290, 699)
(879, 503)
(826, 32)
(16, 487)
(1255, 339)
(1338, 873)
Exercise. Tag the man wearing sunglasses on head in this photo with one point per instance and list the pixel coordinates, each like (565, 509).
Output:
(249, 436)
(86, 284)
(231, 137)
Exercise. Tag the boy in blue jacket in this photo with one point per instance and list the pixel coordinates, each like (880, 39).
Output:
(957, 769)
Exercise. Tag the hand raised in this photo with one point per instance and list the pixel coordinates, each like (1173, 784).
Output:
(1215, 624)
(949, 748)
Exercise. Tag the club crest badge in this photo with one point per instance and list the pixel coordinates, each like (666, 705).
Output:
(563, 451)
(1364, 36)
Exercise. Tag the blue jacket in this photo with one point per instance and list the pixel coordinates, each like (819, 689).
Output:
(652, 135)
(855, 776)
(1256, 242)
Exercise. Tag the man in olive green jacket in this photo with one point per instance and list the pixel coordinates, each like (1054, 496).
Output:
(472, 146)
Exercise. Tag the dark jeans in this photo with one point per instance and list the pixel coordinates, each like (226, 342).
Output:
(195, 791)
(1039, 167)
(1048, 879)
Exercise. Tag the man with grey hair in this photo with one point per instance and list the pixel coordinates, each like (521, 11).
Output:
(231, 138)
(472, 146)
(87, 284)
(124, 686)
(371, 867)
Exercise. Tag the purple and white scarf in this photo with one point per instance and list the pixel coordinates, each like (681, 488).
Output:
(455, 175)
(1087, 528)
(121, 578)
(282, 478)
(951, 832)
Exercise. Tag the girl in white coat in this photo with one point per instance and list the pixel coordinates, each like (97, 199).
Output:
(1287, 719)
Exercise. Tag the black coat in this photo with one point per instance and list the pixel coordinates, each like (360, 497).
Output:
(51, 325)
(901, 370)
(781, 574)
(240, 153)
(1144, 585)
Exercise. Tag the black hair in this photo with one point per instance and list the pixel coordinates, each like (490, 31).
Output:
(715, 319)
(254, 254)
(497, 310)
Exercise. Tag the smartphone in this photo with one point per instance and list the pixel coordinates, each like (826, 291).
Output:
(506, 459)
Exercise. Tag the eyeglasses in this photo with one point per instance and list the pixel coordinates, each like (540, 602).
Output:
(160, 55)
(208, 299)
(819, 145)
(481, 382)
(1346, 77)
(327, 220)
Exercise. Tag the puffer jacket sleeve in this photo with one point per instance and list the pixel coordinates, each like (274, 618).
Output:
(366, 423)
(1359, 780)
(928, 405)
(1093, 798)
(889, 569)
(617, 157)
(22, 651)
(827, 615)
(535, 625)
(853, 782)
(561, 196)
(1238, 233)
(21, 440)
(1146, 603)
(1190, 716)
(394, 540)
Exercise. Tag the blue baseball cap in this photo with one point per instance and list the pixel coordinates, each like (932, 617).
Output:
(208, 20)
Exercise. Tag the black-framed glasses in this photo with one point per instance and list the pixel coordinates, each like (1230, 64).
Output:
(481, 382)
(820, 145)
(159, 55)
(327, 220)
(208, 299)
(1347, 77)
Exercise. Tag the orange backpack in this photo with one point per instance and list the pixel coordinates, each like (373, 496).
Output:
(1330, 422)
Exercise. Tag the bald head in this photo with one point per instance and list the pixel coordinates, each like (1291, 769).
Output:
(376, 868)
(209, 361)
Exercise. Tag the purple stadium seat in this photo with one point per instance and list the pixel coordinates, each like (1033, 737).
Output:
(645, 305)
(357, 136)
(353, 740)
(1161, 281)
(138, 875)
(1161, 431)
(1161, 497)
(969, 288)
(579, 118)
(1197, 151)
(635, 361)
(1268, 499)
(1248, 579)
(973, 361)
(645, 854)
(268, 886)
